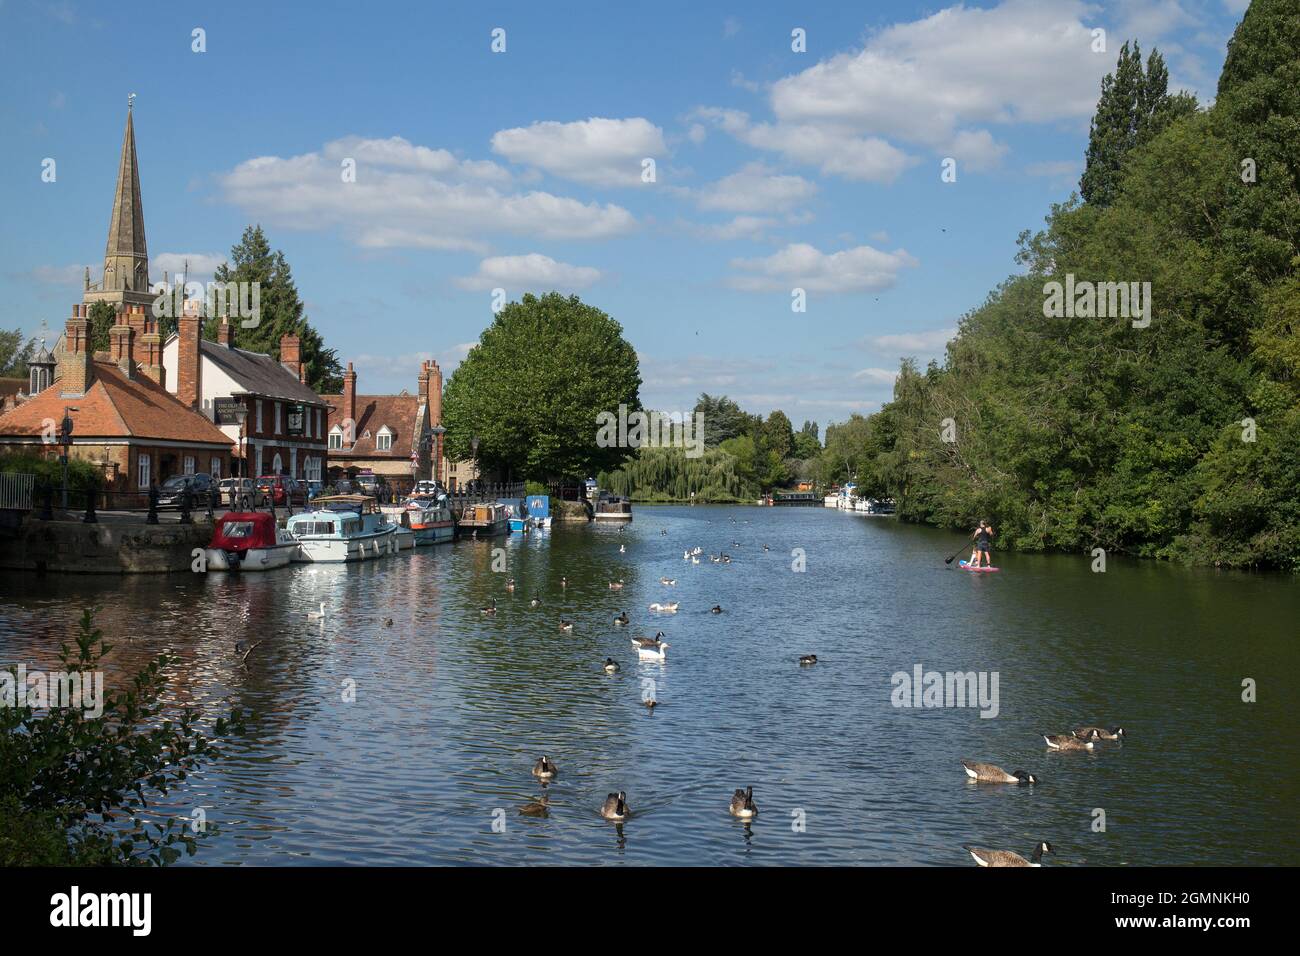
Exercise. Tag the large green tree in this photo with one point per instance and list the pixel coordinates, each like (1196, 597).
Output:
(281, 310)
(15, 352)
(533, 387)
(724, 419)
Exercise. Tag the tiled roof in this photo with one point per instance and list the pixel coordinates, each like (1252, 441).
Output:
(401, 413)
(116, 407)
(256, 372)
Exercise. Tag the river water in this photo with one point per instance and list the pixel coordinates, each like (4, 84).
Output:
(452, 708)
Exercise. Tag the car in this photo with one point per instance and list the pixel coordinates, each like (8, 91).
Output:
(428, 488)
(237, 491)
(373, 485)
(172, 492)
(273, 489)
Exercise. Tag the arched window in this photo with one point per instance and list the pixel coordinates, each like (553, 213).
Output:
(277, 465)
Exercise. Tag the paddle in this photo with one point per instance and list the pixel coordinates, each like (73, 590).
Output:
(959, 551)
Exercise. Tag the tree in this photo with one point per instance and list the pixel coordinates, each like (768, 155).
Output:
(778, 435)
(102, 317)
(15, 353)
(533, 387)
(724, 419)
(281, 310)
(1133, 108)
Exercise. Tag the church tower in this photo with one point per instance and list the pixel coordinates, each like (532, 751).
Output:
(126, 257)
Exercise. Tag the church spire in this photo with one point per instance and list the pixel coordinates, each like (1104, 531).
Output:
(126, 257)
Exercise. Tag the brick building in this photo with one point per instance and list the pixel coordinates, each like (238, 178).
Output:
(275, 423)
(398, 437)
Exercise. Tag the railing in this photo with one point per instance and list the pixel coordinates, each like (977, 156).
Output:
(484, 491)
(16, 491)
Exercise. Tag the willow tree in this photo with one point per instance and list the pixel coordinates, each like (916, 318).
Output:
(526, 399)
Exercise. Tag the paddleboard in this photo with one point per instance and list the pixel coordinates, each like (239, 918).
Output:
(970, 567)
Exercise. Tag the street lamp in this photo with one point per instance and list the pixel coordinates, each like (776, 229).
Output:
(65, 439)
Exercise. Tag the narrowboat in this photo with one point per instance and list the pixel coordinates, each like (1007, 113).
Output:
(249, 541)
(485, 518)
(343, 528)
(612, 508)
(427, 519)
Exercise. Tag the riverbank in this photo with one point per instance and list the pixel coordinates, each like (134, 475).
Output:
(105, 547)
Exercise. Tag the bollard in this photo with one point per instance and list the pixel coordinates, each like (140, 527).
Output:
(153, 504)
(185, 507)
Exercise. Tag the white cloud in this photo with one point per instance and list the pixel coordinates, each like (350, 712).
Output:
(877, 376)
(528, 273)
(740, 227)
(930, 340)
(596, 151)
(59, 275)
(408, 196)
(861, 269)
(201, 265)
(755, 188)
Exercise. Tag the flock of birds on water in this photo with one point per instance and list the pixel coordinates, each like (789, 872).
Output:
(742, 806)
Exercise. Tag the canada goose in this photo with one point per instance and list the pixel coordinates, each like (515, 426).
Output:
(716, 609)
(715, 558)
(766, 548)
(616, 585)
(535, 602)
(615, 807)
(988, 773)
(621, 620)
(648, 641)
(686, 555)
(1006, 858)
(668, 582)
(566, 625)
(1067, 742)
(726, 559)
(490, 609)
(650, 704)
(544, 769)
(1099, 733)
(742, 804)
(807, 660)
(611, 666)
(695, 560)
(317, 615)
(510, 585)
(651, 648)
(388, 622)
(666, 608)
(539, 807)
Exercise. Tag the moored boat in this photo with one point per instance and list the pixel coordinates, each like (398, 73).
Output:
(427, 518)
(249, 541)
(484, 518)
(341, 528)
(612, 508)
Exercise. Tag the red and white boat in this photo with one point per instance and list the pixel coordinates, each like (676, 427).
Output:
(249, 541)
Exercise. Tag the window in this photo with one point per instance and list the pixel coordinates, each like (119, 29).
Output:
(189, 464)
(277, 464)
(216, 468)
(142, 467)
(277, 418)
(258, 469)
(384, 441)
(336, 438)
(318, 423)
(311, 469)
(259, 421)
(293, 462)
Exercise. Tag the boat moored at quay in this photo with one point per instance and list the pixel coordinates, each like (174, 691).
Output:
(341, 528)
(249, 541)
(427, 519)
(485, 518)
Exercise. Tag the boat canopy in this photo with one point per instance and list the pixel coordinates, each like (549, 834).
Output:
(241, 530)
(361, 504)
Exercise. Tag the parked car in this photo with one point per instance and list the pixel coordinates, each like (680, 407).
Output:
(235, 491)
(373, 485)
(273, 489)
(344, 486)
(173, 490)
(428, 488)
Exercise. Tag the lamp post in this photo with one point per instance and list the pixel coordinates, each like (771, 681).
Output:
(65, 439)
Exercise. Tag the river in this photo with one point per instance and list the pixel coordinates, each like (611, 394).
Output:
(453, 707)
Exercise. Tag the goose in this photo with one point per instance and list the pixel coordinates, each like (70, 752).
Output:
(715, 558)
(1067, 742)
(766, 548)
(535, 602)
(615, 807)
(616, 585)
(1099, 733)
(388, 622)
(716, 609)
(668, 582)
(807, 660)
(695, 560)
(648, 641)
(611, 666)
(490, 609)
(566, 625)
(564, 582)
(742, 804)
(666, 608)
(650, 704)
(686, 555)
(988, 773)
(653, 652)
(510, 585)
(1006, 858)
(544, 769)
(622, 549)
(539, 807)
(317, 615)
(726, 559)
(622, 620)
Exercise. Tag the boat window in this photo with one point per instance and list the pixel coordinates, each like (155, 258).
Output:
(238, 529)
(313, 527)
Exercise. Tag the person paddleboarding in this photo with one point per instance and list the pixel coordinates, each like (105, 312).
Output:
(983, 542)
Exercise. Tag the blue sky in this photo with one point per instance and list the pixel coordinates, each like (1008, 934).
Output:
(774, 169)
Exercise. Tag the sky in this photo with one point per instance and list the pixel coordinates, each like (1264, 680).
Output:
(524, 167)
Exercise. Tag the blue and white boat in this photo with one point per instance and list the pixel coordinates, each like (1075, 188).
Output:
(341, 528)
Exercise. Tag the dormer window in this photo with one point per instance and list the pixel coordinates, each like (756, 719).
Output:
(336, 438)
(384, 440)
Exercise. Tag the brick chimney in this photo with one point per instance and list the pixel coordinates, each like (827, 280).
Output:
(77, 372)
(350, 395)
(435, 394)
(121, 340)
(189, 370)
(136, 319)
(151, 357)
(226, 333)
(291, 355)
(422, 382)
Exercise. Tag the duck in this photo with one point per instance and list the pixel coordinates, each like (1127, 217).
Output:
(539, 807)
(716, 609)
(317, 615)
(566, 625)
(1098, 733)
(666, 608)
(1067, 742)
(807, 660)
(616, 585)
(611, 666)
(988, 773)
(615, 807)
(491, 608)
(535, 602)
(742, 804)
(1006, 858)
(510, 585)
(622, 620)
(545, 769)
(668, 582)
